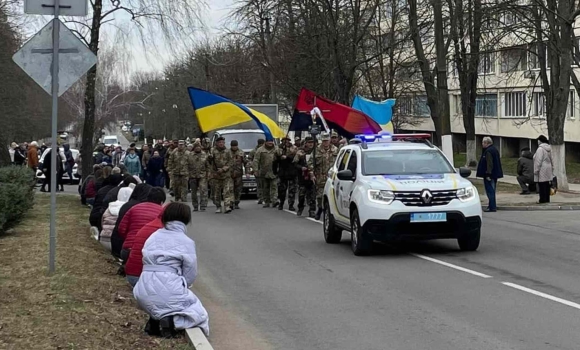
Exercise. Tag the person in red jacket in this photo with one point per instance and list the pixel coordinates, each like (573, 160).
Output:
(134, 265)
(139, 216)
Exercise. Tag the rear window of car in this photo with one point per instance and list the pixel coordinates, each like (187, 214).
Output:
(405, 162)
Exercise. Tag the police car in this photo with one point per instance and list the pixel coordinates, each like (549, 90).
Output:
(399, 187)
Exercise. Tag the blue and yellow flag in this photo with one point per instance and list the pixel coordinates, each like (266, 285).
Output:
(215, 112)
(380, 112)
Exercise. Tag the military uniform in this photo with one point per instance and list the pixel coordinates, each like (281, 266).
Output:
(221, 164)
(306, 190)
(324, 160)
(251, 157)
(287, 176)
(264, 168)
(179, 167)
(169, 165)
(198, 169)
(239, 164)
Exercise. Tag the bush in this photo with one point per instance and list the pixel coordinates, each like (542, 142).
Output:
(16, 194)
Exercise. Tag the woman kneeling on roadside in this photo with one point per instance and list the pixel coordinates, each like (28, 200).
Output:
(169, 269)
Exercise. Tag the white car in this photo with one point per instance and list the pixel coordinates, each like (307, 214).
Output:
(125, 128)
(111, 140)
(399, 187)
(76, 176)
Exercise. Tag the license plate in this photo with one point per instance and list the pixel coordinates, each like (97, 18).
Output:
(249, 184)
(428, 217)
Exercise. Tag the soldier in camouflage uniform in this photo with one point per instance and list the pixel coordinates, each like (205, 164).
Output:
(335, 139)
(221, 163)
(239, 159)
(325, 157)
(264, 168)
(198, 177)
(172, 147)
(258, 179)
(206, 147)
(306, 190)
(179, 167)
(286, 173)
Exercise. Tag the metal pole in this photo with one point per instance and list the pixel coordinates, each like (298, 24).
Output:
(55, 149)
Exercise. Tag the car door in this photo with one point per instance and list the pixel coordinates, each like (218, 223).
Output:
(346, 186)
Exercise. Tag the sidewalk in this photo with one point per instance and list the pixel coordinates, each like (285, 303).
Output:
(513, 180)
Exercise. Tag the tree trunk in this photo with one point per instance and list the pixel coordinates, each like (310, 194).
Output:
(89, 124)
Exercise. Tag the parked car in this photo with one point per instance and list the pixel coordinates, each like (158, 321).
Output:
(76, 177)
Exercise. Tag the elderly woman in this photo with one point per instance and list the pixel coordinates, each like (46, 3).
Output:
(543, 169)
(132, 162)
(169, 269)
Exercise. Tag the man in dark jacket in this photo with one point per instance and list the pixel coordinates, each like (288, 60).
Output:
(284, 167)
(489, 168)
(526, 172)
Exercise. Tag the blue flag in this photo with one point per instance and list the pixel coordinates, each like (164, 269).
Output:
(380, 112)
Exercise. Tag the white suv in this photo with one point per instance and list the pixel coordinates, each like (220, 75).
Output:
(399, 187)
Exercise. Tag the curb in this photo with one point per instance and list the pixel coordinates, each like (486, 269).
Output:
(197, 339)
(538, 208)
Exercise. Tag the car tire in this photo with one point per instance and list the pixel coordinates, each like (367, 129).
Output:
(332, 233)
(360, 243)
(470, 241)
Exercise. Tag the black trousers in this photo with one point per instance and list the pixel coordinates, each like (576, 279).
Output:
(544, 191)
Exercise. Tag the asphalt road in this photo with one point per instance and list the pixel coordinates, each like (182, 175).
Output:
(270, 282)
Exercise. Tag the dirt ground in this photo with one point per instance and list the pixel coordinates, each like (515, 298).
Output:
(85, 305)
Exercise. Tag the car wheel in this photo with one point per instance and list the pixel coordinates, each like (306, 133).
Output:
(360, 243)
(470, 241)
(332, 233)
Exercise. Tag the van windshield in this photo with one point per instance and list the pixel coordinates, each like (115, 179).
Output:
(246, 140)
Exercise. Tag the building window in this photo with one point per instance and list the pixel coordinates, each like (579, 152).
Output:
(514, 59)
(405, 105)
(486, 63)
(421, 107)
(539, 105)
(571, 110)
(486, 105)
(515, 104)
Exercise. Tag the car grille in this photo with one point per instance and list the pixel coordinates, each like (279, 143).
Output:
(413, 198)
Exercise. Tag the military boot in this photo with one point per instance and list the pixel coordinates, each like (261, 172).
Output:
(260, 201)
(237, 205)
(281, 206)
(311, 214)
(218, 210)
(228, 210)
(195, 208)
(299, 212)
(291, 207)
(266, 205)
(318, 214)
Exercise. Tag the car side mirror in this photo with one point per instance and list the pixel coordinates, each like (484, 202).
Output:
(464, 172)
(345, 175)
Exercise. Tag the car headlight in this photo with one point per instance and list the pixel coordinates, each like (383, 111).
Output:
(381, 196)
(466, 194)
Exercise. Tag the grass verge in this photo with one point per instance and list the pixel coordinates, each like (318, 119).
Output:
(85, 305)
(502, 187)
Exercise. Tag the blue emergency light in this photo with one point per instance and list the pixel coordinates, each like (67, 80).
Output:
(387, 137)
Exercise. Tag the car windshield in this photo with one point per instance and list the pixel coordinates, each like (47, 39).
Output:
(246, 140)
(110, 140)
(405, 162)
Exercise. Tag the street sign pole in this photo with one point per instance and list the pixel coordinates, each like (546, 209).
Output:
(55, 149)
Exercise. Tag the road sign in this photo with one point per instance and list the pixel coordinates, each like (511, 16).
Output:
(35, 58)
(46, 7)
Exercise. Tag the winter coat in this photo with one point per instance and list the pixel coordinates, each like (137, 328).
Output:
(19, 156)
(133, 164)
(543, 165)
(97, 211)
(137, 217)
(32, 157)
(68, 158)
(155, 165)
(145, 159)
(283, 164)
(134, 265)
(490, 164)
(90, 189)
(169, 269)
(526, 165)
(111, 214)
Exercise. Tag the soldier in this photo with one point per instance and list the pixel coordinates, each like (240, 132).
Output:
(172, 147)
(240, 163)
(325, 156)
(198, 177)
(264, 168)
(286, 174)
(306, 189)
(179, 167)
(256, 175)
(206, 147)
(221, 164)
(334, 139)
(297, 142)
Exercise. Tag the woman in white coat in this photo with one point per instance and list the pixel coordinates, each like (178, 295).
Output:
(169, 269)
(543, 169)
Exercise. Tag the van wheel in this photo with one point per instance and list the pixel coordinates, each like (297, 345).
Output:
(332, 233)
(360, 243)
(470, 241)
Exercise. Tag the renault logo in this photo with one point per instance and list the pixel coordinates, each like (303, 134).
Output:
(426, 196)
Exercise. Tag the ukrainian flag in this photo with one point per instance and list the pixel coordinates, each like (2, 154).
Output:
(215, 112)
(380, 112)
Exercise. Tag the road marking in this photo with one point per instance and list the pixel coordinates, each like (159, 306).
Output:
(543, 295)
(289, 211)
(312, 219)
(475, 273)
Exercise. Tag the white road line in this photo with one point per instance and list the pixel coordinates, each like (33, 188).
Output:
(312, 219)
(475, 273)
(543, 295)
(289, 211)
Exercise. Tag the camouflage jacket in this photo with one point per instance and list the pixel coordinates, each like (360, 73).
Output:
(324, 160)
(198, 167)
(264, 162)
(220, 163)
(284, 162)
(167, 160)
(239, 163)
(301, 161)
(178, 163)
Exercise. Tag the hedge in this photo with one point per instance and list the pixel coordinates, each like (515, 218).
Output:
(16, 194)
